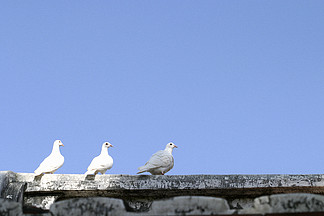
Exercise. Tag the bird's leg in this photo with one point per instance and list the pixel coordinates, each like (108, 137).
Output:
(162, 173)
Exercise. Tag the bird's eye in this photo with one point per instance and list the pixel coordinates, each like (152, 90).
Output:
(170, 143)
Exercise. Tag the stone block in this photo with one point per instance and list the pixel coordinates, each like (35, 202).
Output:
(287, 203)
(88, 207)
(43, 202)
(137, 205)
(10, 208)
(5, 178)
(190, 205)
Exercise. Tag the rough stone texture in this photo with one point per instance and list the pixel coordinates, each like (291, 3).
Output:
(140, 205)
(5, 178)
(180, 182)
(43, 202)
(287, 203)
(10, 208)
(242, 189)
(188, 205)
(9, 188)
(240, 203)
(15, 191)
(139, 192)
(88, 206)
(185, 205)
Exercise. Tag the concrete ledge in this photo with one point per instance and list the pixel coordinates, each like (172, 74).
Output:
(195, 183)
(139, 191)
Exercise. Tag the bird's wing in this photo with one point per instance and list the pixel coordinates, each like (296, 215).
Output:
(96, 163)
(159, 159)
(49, 164)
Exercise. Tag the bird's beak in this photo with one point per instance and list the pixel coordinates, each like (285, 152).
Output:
(111, 145)
(175, 146)
(62, 144)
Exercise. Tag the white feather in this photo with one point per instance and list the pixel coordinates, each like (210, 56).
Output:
(101, 163)
(53, 162)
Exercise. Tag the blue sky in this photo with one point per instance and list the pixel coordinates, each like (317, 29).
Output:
(237, 85)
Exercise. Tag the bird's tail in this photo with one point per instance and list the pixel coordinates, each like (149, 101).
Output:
(37, 172)
(141, 169)
(90, 172)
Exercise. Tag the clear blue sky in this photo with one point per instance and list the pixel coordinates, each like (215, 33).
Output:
(237, 85)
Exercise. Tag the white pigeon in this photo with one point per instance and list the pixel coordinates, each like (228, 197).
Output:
(53, 162)
(161, 162)
(101, 163)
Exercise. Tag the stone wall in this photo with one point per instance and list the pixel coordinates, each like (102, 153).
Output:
(72, 194)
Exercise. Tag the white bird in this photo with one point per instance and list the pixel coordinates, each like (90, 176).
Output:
(101, 163)
(53, 162)
(161, 162)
